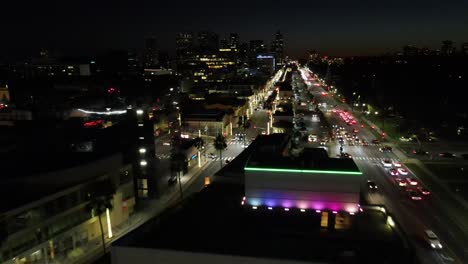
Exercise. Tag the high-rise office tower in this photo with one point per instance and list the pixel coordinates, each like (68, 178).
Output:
(234, 41)
(208, 41)
(256, 47)
(184, 45)
(150, 54)
(278, 48)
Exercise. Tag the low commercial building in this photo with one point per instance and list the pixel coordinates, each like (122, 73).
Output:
(312, 181)
(47, 217)
(209, 122)
(213, 226)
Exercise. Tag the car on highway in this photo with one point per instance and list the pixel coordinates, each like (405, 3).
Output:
(423, 190)
(371, 185)
(432, 240)
(420, 152)
(385, 149)
(414, 195)
(402, 171)
(396, 164)
(393, 172)
(387, 163)
(447, 155)
(400, 182)
(375, 141)
(411, 181)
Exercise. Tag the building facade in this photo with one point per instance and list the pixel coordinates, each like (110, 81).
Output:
(52, 227)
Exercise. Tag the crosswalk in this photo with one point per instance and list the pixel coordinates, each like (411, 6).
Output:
(237, 142)
(374, 159)
(360, 145)
(224, 158)
(168, 156)
(163, 156)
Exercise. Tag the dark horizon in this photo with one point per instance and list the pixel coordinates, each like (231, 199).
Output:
(337, 29)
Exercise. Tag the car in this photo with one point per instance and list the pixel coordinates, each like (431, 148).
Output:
(393, 172)
(396, 164)
(365, 143)
(372, 186)
(387, 163)
(263, 132)
(385, 149)
(402, 171)
(375, 141)
(423, 190)
(432, 240)
(414, 195)
(420, 152)
(355, 130)
(411, 181)
(400, 182)
(447, 155)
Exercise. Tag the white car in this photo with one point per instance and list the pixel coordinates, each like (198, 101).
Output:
(387, 163)
(396, 164)
(432, 239)
(403, 171)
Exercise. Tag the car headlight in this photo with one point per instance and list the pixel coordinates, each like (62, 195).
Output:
(440, 246)
(432, 245)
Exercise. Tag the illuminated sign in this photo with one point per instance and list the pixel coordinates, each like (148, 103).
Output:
(265, 57)
(194, 157)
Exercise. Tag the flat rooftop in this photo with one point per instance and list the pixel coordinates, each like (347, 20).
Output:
(312, 159)
(213, 221)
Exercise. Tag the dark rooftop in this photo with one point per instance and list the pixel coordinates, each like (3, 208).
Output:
(213, 221)
(272, 156)
(203, 115)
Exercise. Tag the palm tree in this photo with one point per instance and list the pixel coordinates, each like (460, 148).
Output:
(220, 144)
(177, 165)
(199, 143)
(100, 200)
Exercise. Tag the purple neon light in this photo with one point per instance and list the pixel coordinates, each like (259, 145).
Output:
(303, 204)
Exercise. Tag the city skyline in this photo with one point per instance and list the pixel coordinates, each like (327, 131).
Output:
(339, 28)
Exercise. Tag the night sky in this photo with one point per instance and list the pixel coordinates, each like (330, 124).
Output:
(337, 27)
